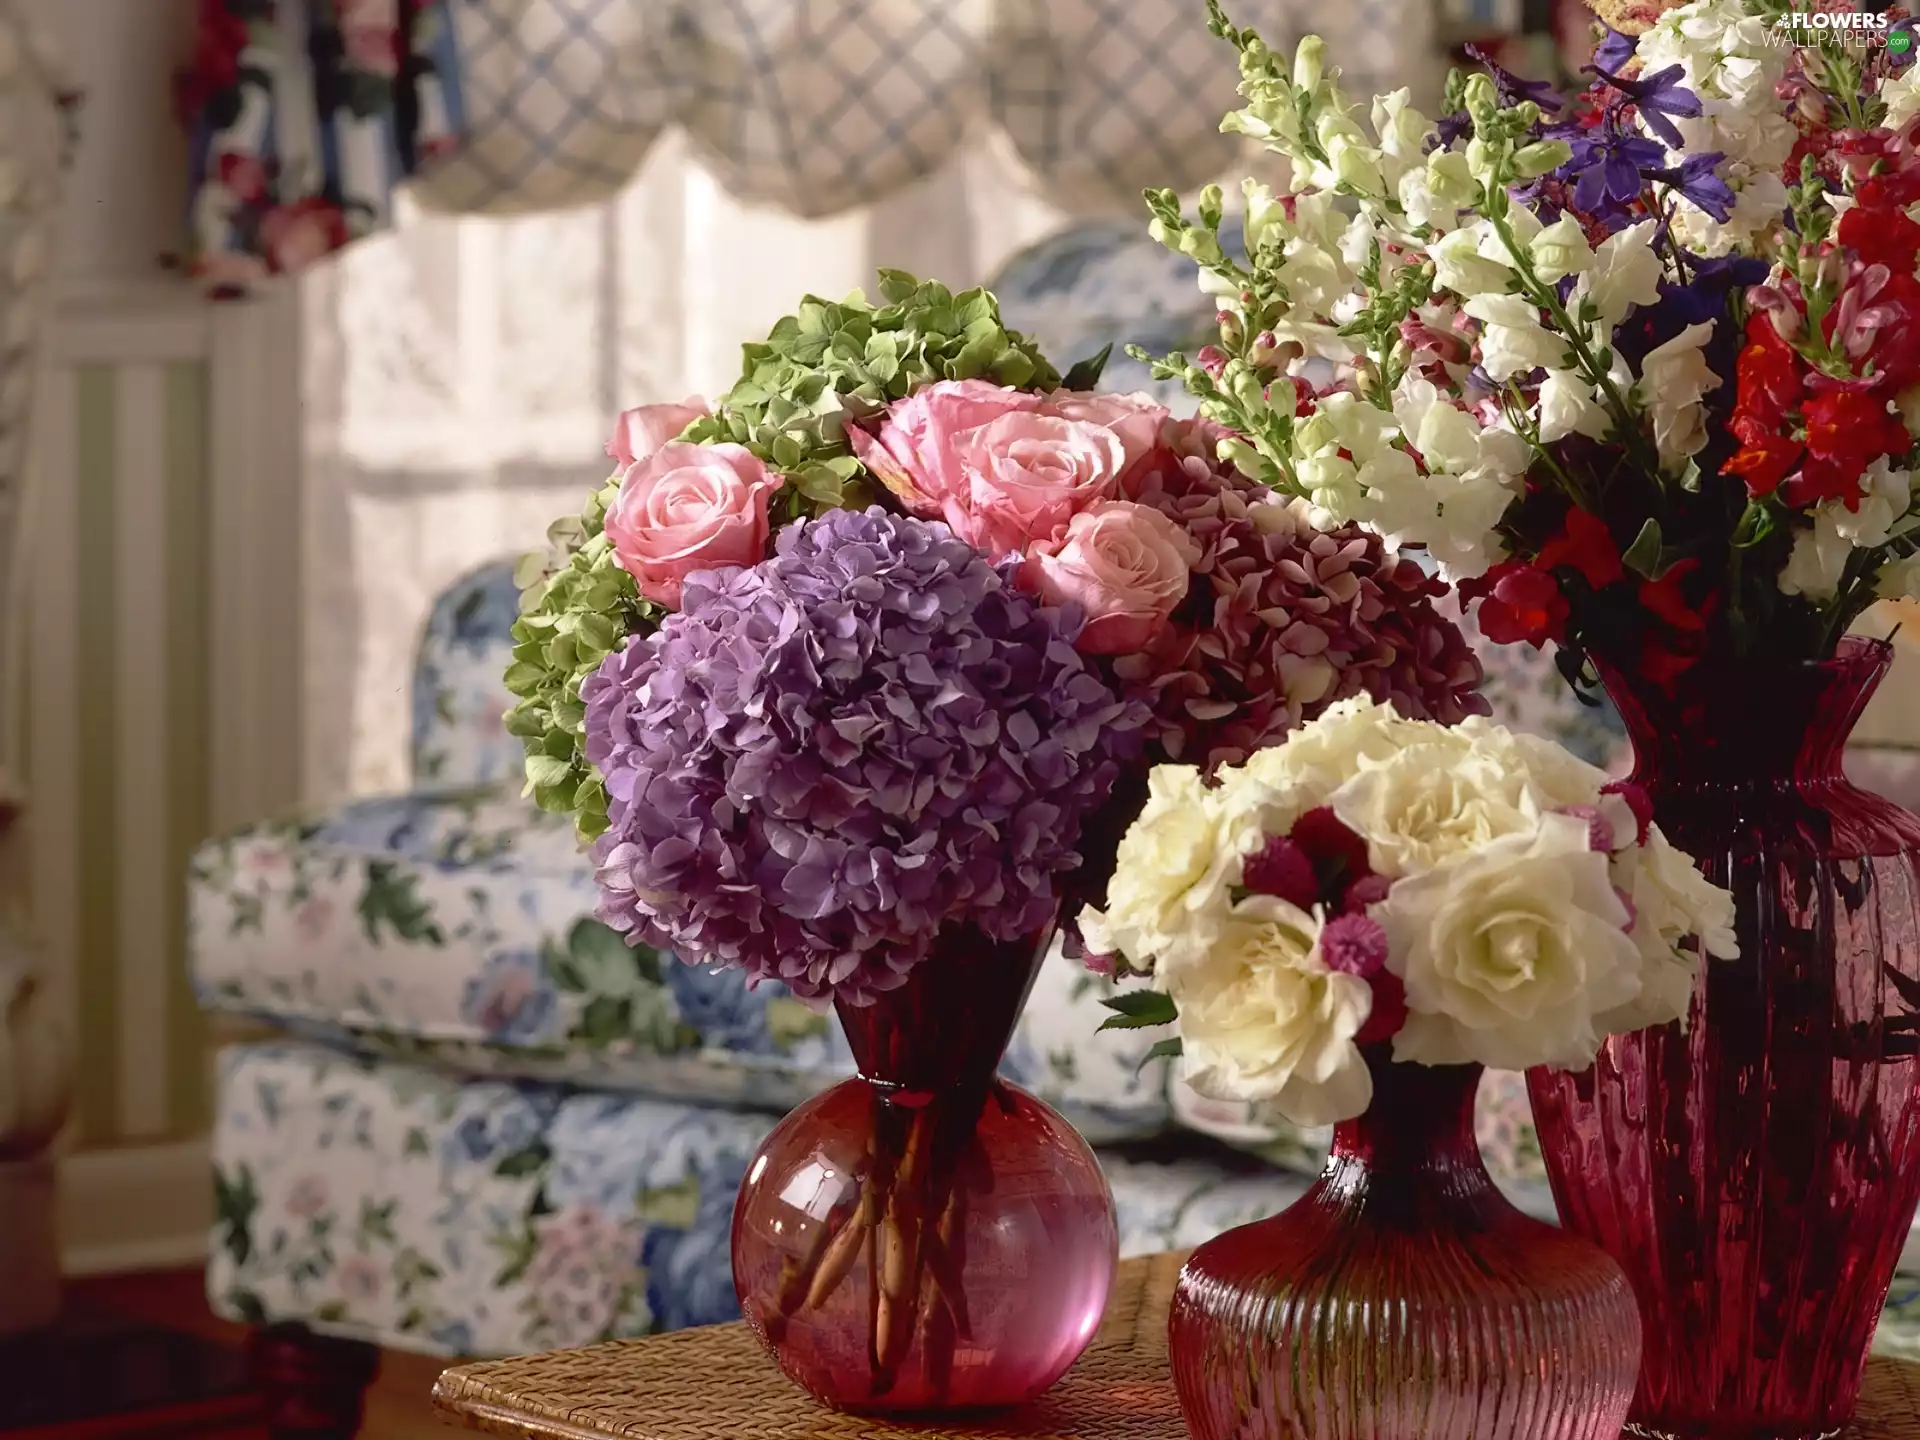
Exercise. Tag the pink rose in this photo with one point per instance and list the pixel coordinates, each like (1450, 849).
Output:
(688, 508)
(1134, 418)
(915, 454)
(638, 433)
(1028, 475)
(1128, 566)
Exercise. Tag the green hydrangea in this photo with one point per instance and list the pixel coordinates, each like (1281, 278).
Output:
(820, 367)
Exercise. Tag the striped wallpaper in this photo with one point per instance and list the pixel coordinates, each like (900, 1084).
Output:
(137, 677)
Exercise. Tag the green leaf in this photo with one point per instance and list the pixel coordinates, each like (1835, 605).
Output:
(1643, 557)
(545, 770)
(1085, 375)
(521, 1163)
(898, 286)
(1168, 1049)
(1139, 1009)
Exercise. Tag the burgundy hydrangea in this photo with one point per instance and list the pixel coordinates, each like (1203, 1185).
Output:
(822, 760)
(1283, 619)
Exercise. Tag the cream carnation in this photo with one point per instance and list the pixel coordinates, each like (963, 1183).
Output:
(1510, 954)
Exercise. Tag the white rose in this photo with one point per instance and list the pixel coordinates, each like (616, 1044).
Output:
(1320, 756)
(1171, 874)
(1262, 1018)
(1553, 775)
(1671, 901)
(1510, 953)
(1434, 802)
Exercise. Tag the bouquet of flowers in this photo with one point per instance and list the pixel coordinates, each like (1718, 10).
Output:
(1466, 895)
(851, 661)
(1638, 367)
(778, 774)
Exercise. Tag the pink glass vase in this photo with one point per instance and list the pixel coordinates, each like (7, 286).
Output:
(926, 1237)
(1404, 1297)
(1756, 1172)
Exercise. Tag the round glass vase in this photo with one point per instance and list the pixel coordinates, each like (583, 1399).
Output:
(1756, 1172)
(1404, 1296)
(926, 1237)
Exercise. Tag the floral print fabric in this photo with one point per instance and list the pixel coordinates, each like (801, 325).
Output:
(303, 118)
(455, 928)
(397, 1204)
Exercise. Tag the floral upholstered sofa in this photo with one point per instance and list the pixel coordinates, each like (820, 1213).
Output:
(485, 1126)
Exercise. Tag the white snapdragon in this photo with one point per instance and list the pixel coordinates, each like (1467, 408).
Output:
(1818, 562)
(1674, 383)
(1625, 272)
(1463, 265)
(1567, 407)
(1512, 339)
(1561, 250)
(1405, 134)
(1471, 475)
(1901, 92)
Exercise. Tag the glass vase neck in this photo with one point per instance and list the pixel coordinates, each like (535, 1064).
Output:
(1417, 1137)
(1762, 718)
(949, 1023)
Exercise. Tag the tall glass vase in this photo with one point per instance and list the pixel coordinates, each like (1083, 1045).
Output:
(925, 1236)
(1403, 1296)
(1756, 1172)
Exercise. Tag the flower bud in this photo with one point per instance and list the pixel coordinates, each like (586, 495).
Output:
(1480, 97)
(1483, 161)
(1310, 62)
(1542, 157)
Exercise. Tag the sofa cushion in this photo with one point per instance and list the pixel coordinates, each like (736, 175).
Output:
(456, 928)
(460, 699)
(411, 1208)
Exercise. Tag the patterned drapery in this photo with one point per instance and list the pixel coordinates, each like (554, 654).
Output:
(307, 113)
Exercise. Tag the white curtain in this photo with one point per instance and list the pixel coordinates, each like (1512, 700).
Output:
(461, 372)
(461, 376)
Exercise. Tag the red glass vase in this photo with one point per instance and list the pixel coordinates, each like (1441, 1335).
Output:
(1756, 1172)
(926, 1237)
(1404, 1297)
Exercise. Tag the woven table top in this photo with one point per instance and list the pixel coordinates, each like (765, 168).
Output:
(718, 1384)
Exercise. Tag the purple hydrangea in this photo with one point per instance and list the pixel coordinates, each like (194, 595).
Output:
(822, 760)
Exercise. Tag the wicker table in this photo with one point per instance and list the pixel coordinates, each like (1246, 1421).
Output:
(717, 1384)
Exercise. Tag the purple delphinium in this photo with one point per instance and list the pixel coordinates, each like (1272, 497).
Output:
(1657, 97)
(822, 760)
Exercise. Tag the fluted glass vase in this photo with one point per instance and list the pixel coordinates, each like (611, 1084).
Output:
(1756, 1172)
(1403, 1297)
(927, 1237)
